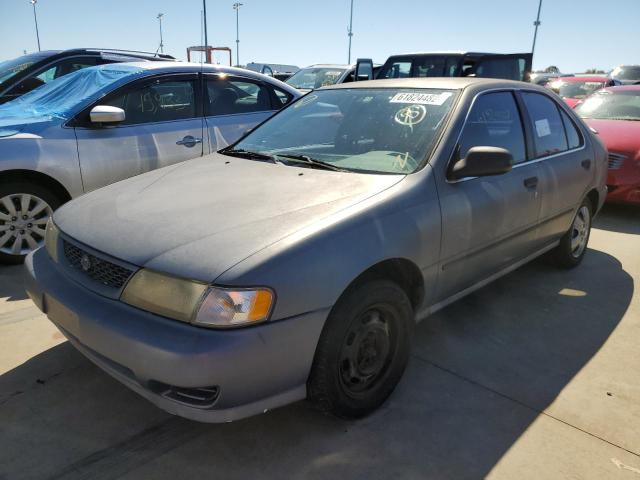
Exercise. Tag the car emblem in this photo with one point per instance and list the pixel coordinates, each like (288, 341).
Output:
(85, 262)
(410, 115)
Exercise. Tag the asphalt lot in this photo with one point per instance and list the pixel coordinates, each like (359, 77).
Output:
(535, 376)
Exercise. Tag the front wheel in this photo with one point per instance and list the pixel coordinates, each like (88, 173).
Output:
(363, 350)
(25, 209)
(573, 245)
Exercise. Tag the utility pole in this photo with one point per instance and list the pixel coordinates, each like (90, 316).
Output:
(35, 19)
(159, 17)
(350, 31)
(236, 7)
(537, 24)
(204, 10)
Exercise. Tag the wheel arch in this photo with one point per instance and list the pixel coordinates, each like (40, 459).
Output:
(38, 178)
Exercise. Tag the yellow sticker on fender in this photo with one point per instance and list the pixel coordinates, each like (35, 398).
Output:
(421, 98)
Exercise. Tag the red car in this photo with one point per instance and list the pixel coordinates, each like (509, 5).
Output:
(615, 114)
(575, 89)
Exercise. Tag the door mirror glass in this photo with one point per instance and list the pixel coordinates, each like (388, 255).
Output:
(483, 162)
(364, 69)
(106, 114)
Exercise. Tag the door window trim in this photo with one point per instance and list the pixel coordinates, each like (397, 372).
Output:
(78, 122)
(527, 131)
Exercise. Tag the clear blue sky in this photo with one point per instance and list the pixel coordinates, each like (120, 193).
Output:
(575, 34)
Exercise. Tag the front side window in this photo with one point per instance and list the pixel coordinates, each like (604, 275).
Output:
(607, 104)
(398, 69)
(430, 66)
(548, 131)
(161, 100)
(374, 130)
(494, 121)
(512, 68)
(228, 97)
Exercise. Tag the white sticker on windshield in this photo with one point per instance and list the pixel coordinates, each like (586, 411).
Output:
(542, 127)
(421, 98)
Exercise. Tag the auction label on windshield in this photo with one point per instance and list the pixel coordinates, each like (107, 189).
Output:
(421, 98)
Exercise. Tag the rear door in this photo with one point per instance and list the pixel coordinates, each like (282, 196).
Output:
(233, 105)
(488, 223)
(516, 66)
(163, 126)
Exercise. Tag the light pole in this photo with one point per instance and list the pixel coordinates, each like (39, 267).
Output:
(159, 17)
(350, 31)
(35, 19)
(236, 7)
(204, 14)
(537, 24)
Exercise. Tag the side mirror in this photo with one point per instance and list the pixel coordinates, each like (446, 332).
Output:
(364, 70)
(106, 114)
(482, 162)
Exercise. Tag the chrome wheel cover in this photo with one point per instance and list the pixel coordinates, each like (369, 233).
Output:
(580, 231)
(23, 220)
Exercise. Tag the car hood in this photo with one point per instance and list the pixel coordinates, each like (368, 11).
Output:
(618, 135)
(201, 217)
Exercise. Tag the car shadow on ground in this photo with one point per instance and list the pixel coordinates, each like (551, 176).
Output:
(619, 218)
(481, 372)
(11, 286)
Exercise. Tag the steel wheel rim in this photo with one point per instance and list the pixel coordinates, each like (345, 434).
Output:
(367, 350)
(580, 231)
(23, 220)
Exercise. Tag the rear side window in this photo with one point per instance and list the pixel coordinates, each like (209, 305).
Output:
(548, 130)
(494, 121)
(229, 97)
(573, 137)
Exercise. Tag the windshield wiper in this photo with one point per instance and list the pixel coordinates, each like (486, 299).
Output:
(311, 161)
(242, 153)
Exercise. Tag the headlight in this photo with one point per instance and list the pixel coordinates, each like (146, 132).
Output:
(195, 302)
(51, 239)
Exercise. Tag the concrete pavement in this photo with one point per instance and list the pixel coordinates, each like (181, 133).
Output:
(535, 376)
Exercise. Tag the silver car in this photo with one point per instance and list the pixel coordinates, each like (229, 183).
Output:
(296, 262)
(103, 124)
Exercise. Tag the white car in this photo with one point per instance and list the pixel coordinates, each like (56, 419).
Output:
(103, 124)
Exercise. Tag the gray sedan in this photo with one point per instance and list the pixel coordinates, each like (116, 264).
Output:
(102, 124)
(297, 261)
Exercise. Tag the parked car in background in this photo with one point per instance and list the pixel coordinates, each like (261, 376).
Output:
(276, 70)
(295, 262)
(323, 75)
(25, 73)
(615, 114)
(574, 89)
(515, 66)
(103, 124)
(626, 74)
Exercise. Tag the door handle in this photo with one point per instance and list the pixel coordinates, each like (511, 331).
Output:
(586, 164)
(189, 141)
(531, 183)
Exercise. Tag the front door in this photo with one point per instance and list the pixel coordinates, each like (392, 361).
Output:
(488, 223)
(163, 125)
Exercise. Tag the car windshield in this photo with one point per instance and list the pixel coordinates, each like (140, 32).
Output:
(613, 105)
(312, 78)
(578, 89)
(374, 130)
(63, 96)
(626, 73)
(10, 68)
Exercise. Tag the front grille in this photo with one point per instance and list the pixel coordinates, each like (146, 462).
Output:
(97, 269)
(616, 160)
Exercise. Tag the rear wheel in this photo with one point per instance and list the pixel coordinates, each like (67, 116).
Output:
(363, 350)
(573, 245)
(25, 209)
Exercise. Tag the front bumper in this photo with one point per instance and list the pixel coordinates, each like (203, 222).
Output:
(254, 369)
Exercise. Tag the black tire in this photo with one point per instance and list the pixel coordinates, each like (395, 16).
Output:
(14, 188)
(565, 254)
(353, 389)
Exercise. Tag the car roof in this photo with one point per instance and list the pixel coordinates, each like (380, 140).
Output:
(329, 65)
(444, 83)
(623, 88)
(586, 78)
(443, 52)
